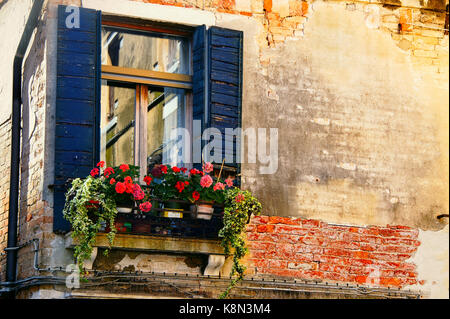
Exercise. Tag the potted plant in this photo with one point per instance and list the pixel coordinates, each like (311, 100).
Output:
(239, 206)
(205, 191)
(92, 203)
(168, 186)
(126, 191)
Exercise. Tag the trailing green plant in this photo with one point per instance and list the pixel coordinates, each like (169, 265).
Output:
(87, 208)
(91, 204)
(239, 206)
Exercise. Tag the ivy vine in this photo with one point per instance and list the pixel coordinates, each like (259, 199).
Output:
(87, 218)
(239, 206)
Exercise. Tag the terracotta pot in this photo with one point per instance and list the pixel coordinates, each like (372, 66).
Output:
(204, 210)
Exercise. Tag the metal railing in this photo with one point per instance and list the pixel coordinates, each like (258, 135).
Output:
(183, 222)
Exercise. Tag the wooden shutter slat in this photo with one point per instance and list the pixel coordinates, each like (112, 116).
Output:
(225, 83)
(77, 104)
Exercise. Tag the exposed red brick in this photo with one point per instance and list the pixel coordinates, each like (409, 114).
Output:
(276, 219)
(227, 11)
(274, 19)
(310, 223)
(261, 246)
(405, 20)
(284, 229)
(303, 257)
(295, 8)
(248, 14)
(226, 4)
(262, 237)
(268, 5)
(311, 249)
(265, 228)
(260, 219)
(285, 238)
(367, 247)
(390, 282)
(305, 8)
(250, 228)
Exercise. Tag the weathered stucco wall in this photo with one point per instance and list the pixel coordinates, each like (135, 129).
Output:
(361, 135)
(12, 22)
(361, 109)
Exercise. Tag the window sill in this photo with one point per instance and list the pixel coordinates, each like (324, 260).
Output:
(143, 243)
(155, 244)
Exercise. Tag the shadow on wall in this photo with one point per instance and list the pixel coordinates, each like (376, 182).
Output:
(33, 97)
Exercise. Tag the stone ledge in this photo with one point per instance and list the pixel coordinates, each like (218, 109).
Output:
(154, 243)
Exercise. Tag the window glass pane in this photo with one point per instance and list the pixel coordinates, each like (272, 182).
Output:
(166, 111)
(117, 123)
(148, 51)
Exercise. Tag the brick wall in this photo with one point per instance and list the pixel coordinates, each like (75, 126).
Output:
(35, 215)
(315, 250)
(5, 142)
(414, 29)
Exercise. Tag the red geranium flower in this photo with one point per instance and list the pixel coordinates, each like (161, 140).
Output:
(196, 195)
(148, 180)
(219, 186)
(229, 182)
(180, 186)
(195, 171)
(208, 167)
(138, 193)
(124, 167)
(108, 171)
(101, 164)
(184, 169)
(206, 181)
(128, 180)
(163, 169)
(120, 187)
(112, 181)
(145, 207)
(94, 172)
(176, 169)
(128, 188)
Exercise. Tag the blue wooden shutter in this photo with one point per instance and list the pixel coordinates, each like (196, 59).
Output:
(225, 84)
(217, 83)
(77, 104)
(199, 87)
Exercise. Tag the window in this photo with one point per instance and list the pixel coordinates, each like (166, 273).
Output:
(122, 84)
(145, 94)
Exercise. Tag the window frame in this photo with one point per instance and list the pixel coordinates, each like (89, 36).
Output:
(143, 79)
